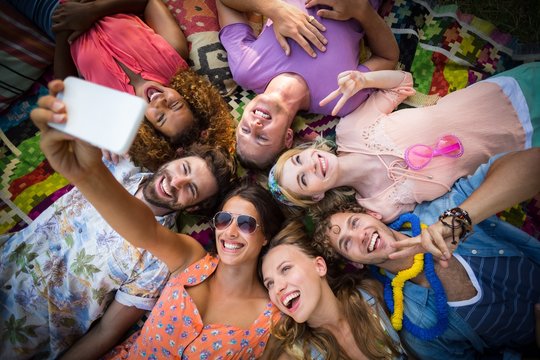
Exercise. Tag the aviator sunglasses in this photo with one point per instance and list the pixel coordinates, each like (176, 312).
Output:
(246, 223)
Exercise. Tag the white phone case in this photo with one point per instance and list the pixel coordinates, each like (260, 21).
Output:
(101, 116)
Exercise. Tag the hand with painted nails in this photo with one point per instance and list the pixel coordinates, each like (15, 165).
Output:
(291, 22)
(350, 82)
(69, 156)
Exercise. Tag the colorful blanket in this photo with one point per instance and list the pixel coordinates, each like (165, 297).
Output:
(444, 49)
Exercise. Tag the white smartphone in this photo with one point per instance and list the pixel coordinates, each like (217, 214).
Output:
(101, 116)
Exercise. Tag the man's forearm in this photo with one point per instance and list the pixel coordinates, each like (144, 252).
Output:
(510, 180)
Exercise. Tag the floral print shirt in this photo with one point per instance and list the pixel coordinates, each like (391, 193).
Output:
(175, 329)
(60, 273)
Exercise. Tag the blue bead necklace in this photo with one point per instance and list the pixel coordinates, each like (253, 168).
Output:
(441, 302)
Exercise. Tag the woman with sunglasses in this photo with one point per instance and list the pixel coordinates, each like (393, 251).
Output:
(326, 317)
(394, 160)
(214, 305)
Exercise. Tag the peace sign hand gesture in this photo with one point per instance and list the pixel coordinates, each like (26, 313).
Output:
(350, 82)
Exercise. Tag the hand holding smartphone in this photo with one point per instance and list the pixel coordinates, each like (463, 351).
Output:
(101, 116)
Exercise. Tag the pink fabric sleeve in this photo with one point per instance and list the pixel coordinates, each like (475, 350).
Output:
(387, 100)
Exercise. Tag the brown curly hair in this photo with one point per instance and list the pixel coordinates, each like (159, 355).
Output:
(213, 123)
(333, 203)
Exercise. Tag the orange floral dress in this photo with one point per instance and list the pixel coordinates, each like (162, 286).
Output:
(175, 329)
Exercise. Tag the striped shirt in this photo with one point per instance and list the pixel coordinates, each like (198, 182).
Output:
(502, 312)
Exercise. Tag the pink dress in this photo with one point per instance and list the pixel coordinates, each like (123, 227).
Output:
(127, 39)
(175, 328)
(481, 116)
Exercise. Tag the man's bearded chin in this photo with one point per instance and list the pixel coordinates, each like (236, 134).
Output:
(151, 197)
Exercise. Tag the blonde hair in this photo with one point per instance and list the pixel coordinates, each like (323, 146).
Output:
(297, 340)
(293, 197)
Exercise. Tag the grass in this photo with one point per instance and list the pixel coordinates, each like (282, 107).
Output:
(520, 18)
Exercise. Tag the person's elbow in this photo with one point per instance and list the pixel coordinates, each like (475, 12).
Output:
(393, 55)
(183, 50)
(390, 56)
(384, 60)
(178, 41)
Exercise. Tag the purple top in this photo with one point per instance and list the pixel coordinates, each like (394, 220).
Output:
(255, 61)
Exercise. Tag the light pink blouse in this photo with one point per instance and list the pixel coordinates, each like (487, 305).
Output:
(481, 116)
(127, 39)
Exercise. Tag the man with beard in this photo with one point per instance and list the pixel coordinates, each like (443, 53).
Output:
(69, 267)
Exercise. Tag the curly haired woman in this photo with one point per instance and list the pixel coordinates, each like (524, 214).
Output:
(107, 44)
(213, 124)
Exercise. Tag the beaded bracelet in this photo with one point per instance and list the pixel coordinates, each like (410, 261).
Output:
(460, 220)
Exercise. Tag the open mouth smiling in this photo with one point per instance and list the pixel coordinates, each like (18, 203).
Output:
(373, 242)
(262, 114)
(152, 93)
(165, 188)
(231, 245)
(291, 299)
(323, 165)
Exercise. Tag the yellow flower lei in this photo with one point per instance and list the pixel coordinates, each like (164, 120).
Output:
(399, 281)
(397, 288)
(393, 290)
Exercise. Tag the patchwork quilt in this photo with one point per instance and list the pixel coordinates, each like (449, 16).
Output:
(444, 49)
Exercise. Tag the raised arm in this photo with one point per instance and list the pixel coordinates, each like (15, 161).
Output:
(289, 22)
(383, 45)
(81, 164)
(511, 179)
